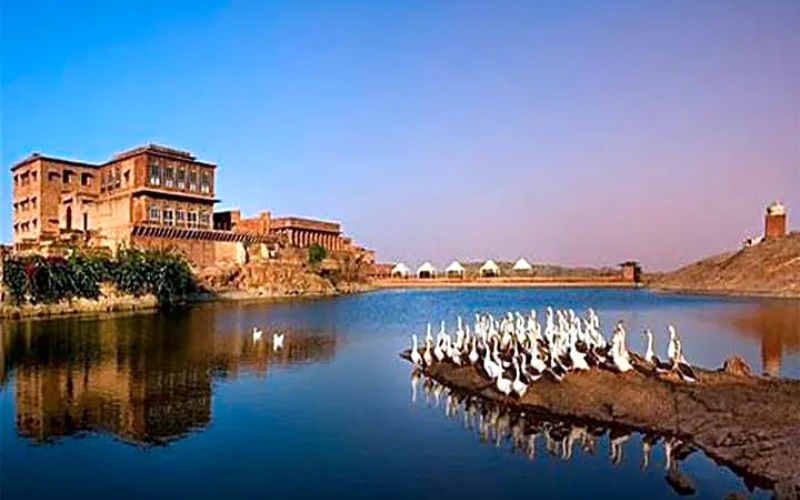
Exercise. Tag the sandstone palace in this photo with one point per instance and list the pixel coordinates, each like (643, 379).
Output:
(152, 197)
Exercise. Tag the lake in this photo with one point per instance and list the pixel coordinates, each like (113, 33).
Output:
(186, 405)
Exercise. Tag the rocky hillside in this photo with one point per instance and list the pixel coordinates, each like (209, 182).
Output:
(768, 268)
(273, 279)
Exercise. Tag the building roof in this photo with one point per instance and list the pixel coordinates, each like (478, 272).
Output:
(455, 267)
(776, 208)
(426, 268)
(522, 265)
(400, 268)
(490, 265)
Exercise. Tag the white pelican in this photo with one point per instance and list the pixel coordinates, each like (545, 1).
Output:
(503, 385)
(415, 356)
(518, 386)
(277, 341)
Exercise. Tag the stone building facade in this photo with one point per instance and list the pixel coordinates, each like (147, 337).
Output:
(775, 221)
(152, 197)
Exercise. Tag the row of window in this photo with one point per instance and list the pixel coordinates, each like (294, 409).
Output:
(66, 177)
(25, 178)
(26, 227)
(180, 178)
(179, 217)
(25, 205)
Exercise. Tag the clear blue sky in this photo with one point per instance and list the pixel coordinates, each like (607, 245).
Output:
(582, 132)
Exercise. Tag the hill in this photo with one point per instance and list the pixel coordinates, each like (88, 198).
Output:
(771, 267)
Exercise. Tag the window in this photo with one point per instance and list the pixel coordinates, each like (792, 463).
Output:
(33, 202)
(204, 220)
(66, 176)
(16, 183)
(168, 217)
(117, 177)
(53, 175)
(169, 177)
(34, 222)
(153, 213)
(86, 179)
(180, 217)
(205, 183)
(155, 175)
(33, 176)
(181, 178)
(16, 207)
(127, 178)
(192, 180)
(192, 219)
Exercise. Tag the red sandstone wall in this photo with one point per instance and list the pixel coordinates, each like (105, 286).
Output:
(774, 226)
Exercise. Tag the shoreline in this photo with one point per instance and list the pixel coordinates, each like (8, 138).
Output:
(500, 283)
(126, 304)
(123, 305)
(746, 423)
(726, 293)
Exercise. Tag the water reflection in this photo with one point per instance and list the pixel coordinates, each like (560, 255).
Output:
(776, 325)
(541, 434)
(139, 379)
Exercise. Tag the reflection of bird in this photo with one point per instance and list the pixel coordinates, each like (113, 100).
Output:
(647, 446)
(257, 334)
(675, 477)
(414, 382)
(615, 441)
(277, 341)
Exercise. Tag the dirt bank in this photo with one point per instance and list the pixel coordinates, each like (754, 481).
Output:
(769, 269)
(750, 424)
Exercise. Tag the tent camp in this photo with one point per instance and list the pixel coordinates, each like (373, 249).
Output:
(400, 271)
(490, 268)
(522, 266)
(455, 270)
(426, 270)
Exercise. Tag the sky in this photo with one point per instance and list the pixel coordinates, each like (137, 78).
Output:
(581, 133)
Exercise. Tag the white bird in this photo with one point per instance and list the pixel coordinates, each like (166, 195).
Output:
(257, 333)
(518, 386)
(416, 358)
(426, 356)
(503, 385)
(277, 341)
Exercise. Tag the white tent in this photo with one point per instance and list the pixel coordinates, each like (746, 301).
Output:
(455, 269)
(400, 271)
(522, 266)
(490, 268)
(426, 270)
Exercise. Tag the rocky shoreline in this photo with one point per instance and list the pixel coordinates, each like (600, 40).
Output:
(749, 424)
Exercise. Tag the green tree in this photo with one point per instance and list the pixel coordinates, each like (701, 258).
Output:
(316, 253)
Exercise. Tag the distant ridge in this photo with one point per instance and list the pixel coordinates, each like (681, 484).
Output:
(771, 267)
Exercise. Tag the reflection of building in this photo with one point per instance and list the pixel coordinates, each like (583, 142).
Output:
(146, 383)
(777, 327)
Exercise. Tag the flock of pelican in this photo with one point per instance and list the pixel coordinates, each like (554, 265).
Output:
(516, 351)
(498, 424)
(277, 338)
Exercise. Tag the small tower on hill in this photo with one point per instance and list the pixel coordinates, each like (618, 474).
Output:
(775, 221)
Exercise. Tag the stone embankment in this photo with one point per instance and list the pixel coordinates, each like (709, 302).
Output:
(750, 424)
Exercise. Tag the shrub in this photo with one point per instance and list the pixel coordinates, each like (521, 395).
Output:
(316, 253)
(36, 279)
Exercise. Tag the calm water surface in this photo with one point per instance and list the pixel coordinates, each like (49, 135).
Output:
(186, 405)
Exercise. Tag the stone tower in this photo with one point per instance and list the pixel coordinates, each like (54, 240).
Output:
(775, 221)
